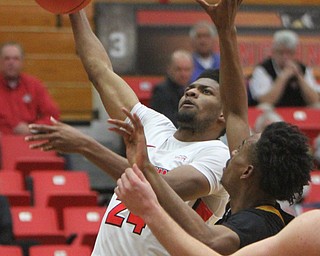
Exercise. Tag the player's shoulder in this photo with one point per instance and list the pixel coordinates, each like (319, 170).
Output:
(310, 218)
(213, 145)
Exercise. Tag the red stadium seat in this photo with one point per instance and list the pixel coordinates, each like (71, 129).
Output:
(143, 86)
(26, 164)
(39, 224)
(253, 114)
(10, 250)
(59, 250)
(84, 222)
(307, 119)
(16, 155)
(62, 188)
(12, 186)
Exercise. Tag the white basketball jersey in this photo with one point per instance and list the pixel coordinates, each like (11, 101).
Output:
(122, 233)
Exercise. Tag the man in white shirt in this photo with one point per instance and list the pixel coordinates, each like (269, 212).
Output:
(281, 80)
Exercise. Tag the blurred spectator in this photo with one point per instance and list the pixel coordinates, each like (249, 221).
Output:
(23, 98)
(267, 117)
(203, 40)
(166, 95)
(281, 80)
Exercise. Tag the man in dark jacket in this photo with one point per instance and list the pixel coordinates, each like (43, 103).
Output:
(166, 95)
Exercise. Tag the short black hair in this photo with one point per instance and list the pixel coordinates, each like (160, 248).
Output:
(284, 160)
(211, 74)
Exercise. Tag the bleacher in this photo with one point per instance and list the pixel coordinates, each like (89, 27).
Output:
(41, 191)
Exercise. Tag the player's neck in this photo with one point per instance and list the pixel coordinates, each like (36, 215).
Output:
(190, 135)
(250, 201)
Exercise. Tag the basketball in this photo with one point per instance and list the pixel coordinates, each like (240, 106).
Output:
(63, 6)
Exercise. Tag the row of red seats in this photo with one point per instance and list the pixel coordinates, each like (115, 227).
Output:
(16, 155)
(49, 183)
(59, 189)
(50, 188)
(63, 206)
(55, 206)
(81, 225)
(48, 250)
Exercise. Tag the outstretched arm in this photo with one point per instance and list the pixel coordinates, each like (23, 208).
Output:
(136, 193)
(232, 84)
(114, 92)
(66, 139)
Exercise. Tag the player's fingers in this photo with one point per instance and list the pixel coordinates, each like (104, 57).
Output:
(138, 172)
(36, 146)
(41, 128)
(203, 4)
(37, 137)
(125, 134)
(135, 120)
(47, 146)
(138, 124)
(121, 124)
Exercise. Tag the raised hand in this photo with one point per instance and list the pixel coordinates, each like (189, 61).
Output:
(294, 67)
(58, 136)
(134, 138)
(136, 192)
(223, 13)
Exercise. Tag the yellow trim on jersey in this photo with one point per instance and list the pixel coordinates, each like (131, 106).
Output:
(270, 208)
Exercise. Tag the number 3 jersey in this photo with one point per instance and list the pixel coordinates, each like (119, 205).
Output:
(121, 232)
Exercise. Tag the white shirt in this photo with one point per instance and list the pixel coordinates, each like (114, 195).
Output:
(125, 234)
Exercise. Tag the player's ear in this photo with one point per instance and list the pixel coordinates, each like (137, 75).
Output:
(248, 172)
(221, 118)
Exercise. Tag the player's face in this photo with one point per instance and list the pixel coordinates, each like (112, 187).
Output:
(181, 71)
(11, 61)
(282, 55)
(203, 43)
(201, 104)
(238, 164)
